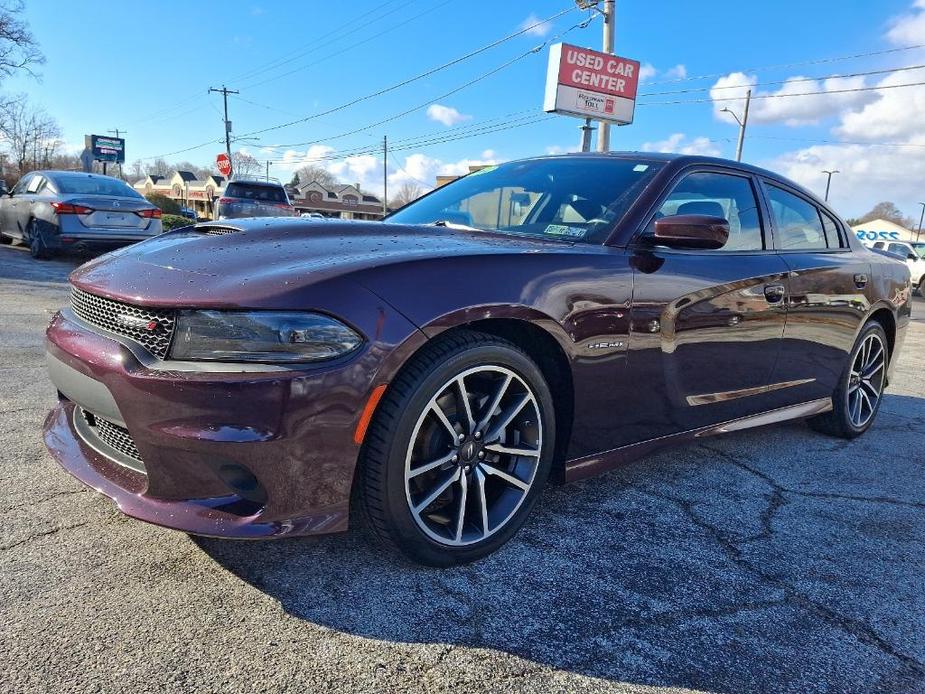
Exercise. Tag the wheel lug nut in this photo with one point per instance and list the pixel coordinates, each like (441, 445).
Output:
(467, 468)
(455, 458)
(478, 435)
(481, 455)
(462, 437)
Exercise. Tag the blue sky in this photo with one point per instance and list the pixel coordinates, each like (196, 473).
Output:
(146, 68)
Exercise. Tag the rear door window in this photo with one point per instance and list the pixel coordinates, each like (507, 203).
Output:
(34, 184)
(797, 225)
(257, 193)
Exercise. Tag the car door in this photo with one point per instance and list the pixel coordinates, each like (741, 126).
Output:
(9, 210)
(827, 288)
(706, 324)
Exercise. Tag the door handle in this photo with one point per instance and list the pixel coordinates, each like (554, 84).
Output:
(860, 280)
(774, 293)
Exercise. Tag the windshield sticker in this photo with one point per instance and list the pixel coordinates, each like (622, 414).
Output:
(562, 230)
(487, 169)
(640, 167)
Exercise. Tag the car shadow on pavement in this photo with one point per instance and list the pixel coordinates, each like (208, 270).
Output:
(772, 559)
(16, 264)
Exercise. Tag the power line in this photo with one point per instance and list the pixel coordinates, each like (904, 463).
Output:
(802, 63)
(792, 80)
(398, 85)
(430, 9)
(782, 96)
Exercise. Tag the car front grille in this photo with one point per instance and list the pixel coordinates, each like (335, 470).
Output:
(151, 328)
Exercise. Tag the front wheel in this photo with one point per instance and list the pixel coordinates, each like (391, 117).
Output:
(459, 450)
(860, 390)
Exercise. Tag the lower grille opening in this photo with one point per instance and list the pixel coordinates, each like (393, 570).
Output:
(113, 437)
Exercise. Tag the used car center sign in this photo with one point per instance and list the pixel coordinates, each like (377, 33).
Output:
(590, 84)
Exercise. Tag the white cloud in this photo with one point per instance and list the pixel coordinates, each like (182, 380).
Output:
(776, 106)
(559, 149)
(908, 29)
(678, 143)
(446, 115)
(647, 71)
(536, 26)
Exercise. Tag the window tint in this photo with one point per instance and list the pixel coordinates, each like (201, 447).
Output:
(833, 236)
(719, 195)
(250, 191)
(898, 249)
(796, 222)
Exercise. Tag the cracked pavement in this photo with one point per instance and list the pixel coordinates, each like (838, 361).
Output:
(770, 560)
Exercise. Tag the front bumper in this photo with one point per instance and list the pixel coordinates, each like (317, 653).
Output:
(244, 454)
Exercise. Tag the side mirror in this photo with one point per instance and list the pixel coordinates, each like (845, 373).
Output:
(694, 231)
(912, 256)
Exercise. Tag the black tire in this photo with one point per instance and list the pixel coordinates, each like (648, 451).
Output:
(838, 421)
(382, 474)
(5, 240)
(922, 286)
(38, 247)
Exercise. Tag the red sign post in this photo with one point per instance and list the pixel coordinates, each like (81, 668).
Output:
(224, 164)
(590, 84)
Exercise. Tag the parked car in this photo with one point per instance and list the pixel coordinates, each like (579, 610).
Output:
(913, 254)
(313, 215)
(250, 196)
(438, 368)
(56, 210)
(188, 212)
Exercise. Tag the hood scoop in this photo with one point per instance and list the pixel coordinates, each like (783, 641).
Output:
(216, 229)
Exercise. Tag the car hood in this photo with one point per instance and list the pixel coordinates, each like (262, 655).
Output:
(255, 262)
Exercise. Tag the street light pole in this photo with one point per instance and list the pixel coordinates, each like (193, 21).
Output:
(921, 216)
(742, 124)
(828, 181)
(268, 170)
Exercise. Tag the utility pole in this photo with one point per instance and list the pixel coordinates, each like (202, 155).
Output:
(385, 175)
(918, 234)
(224, 91)
(268, 170)
(610, 20)
(742, 124)
(118, 133)
(586, 130)
(828, 181)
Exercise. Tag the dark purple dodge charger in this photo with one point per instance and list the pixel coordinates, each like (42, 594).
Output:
(548, 317)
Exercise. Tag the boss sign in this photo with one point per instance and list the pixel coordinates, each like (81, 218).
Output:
(590, 84)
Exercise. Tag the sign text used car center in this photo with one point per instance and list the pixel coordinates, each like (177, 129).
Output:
(586, 83)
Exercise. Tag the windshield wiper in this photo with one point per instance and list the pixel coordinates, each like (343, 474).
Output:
(453, 225)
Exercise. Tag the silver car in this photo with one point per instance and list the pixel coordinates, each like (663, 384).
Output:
(57, 210)
(250, 196)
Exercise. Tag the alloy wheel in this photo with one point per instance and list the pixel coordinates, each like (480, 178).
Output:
(865, 381)
(473, 456)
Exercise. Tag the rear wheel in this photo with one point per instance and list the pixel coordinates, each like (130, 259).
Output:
(922, 286)
(459, 450)
(860, 390)
(38, 247)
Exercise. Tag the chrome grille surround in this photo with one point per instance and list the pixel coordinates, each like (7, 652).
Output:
(127, 320)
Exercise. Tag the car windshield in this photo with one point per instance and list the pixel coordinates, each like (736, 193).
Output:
(94, 185)
(567, 198)
(251, 191)
(919, 247)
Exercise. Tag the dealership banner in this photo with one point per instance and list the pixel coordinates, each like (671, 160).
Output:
(590, 84)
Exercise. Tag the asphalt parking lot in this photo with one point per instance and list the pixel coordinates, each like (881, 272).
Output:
(771, 560)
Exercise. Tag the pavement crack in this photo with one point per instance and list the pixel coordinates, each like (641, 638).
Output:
(44, 499)
(45, 533)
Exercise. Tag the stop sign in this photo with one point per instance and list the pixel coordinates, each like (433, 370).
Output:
(224, 164)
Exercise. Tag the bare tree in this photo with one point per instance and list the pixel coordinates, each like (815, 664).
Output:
(243, 164)
(312, 172)
(408, 192)
(159, 167)
(137, 170)
(18, 47)
(29, 132)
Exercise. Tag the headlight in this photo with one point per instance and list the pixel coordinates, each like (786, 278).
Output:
(261, 336)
